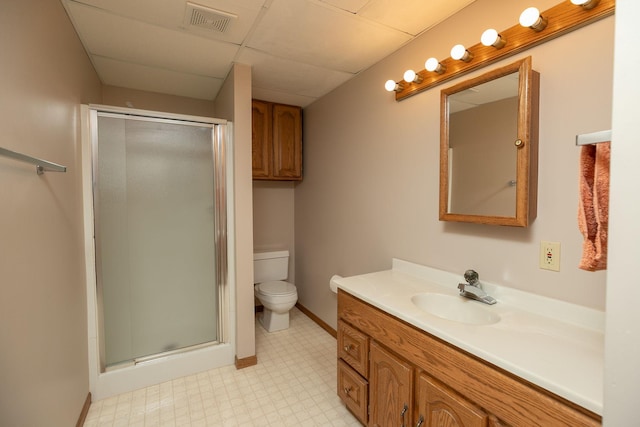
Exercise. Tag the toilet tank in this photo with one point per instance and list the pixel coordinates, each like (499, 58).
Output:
(269, 266)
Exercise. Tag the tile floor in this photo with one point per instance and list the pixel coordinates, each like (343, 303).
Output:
(293, 384)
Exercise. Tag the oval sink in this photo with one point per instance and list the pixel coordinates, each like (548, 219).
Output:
(457, 309)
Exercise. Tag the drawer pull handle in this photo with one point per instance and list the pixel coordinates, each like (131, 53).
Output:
(348, 347)
(347, 390)
(420, 421)
(404, 411)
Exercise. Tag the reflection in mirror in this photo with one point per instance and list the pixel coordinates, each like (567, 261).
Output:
(483, 119)
(488, 149)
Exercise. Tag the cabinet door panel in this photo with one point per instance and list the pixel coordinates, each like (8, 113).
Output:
(390, 389)
(261, 138)
(442, 407)
(287, 141)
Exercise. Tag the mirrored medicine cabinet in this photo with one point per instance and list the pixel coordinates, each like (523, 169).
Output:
(489, 147)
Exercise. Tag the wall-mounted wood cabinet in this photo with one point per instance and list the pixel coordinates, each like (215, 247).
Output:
(276, 131)
(392, 374)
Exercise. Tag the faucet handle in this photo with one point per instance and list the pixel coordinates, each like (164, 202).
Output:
(471, 277)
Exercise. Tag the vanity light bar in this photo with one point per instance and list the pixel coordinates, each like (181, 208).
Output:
(549, 24)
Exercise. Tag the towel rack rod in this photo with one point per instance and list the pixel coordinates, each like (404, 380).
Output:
(593, 138)
(41, 165)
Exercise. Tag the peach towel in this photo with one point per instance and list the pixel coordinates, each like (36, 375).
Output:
(593, 212)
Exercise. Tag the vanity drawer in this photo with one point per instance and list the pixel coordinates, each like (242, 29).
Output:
(354, 391)
(353, 348)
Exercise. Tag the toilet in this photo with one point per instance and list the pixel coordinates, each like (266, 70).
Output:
(270, 269)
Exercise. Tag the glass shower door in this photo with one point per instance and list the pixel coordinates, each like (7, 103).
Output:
(155, 242)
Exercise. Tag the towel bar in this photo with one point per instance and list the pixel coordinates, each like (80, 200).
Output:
(593, 138)
(41, 165)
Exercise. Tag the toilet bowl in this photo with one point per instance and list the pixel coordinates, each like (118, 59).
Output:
(270, 269)
(278, 298)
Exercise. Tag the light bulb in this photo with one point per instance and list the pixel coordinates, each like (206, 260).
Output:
(491, 38)
(531, 18)
(410, 76)
(459, 52)
(392, 86)
(586, 4)
(432, 64)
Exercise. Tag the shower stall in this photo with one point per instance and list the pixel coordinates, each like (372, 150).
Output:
(155, 201)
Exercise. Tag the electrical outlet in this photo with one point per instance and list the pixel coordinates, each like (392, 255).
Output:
(550, 255)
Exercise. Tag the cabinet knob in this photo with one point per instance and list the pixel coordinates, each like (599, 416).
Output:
(347, 390)
(518, 143)
(348, 347)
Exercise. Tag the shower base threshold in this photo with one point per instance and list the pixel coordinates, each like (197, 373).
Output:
(157, 356)
(160, 368)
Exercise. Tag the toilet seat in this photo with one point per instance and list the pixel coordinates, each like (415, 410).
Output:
(275, 288)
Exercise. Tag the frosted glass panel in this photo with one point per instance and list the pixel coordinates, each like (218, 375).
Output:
(155, 236)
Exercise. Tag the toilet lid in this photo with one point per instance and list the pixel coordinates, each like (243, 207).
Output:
(277, 287)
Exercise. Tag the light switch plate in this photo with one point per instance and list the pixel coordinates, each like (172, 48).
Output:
(550, 255)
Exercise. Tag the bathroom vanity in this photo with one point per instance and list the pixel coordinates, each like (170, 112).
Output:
(525, 361)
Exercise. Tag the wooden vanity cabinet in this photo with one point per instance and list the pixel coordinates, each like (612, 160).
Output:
(276, 138)
(444, 385)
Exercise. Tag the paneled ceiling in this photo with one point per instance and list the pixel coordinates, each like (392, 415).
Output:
(299, 50)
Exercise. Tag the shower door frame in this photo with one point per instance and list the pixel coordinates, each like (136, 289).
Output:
(172, 364)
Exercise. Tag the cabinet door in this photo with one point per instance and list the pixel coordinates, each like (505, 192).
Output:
(439, 406)
(390, 389)
(261, 138)
(287, 141)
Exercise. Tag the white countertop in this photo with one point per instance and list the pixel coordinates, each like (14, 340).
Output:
(556, 345)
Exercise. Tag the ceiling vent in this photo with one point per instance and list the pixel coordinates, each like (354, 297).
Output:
(206, 18)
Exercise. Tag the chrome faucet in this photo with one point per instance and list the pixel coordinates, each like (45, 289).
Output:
(472, 289)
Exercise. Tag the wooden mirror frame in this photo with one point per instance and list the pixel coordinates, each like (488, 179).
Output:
(526, 143)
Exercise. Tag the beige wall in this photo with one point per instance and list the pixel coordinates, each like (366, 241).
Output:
(273, 221)
(44, 77)
(123, 97)
(234, 103)
(370, 190)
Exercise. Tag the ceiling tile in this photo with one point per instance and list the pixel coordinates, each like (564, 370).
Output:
(313, 33)
(136, 76)
(352, 6)
(281, 97)
(284, 75)
(411, 16)
(170, 14)
(107, 35)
